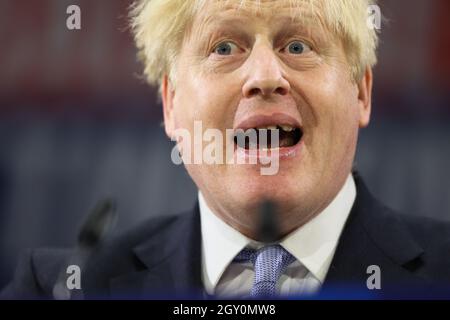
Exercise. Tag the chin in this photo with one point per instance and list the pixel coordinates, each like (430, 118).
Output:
(255, 190)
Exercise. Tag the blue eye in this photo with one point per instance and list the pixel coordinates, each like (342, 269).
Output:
(225, 48)
(298, 47)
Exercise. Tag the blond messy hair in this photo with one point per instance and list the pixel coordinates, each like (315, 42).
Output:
(159, 28)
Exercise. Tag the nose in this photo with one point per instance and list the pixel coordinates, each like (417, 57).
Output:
(265, 75)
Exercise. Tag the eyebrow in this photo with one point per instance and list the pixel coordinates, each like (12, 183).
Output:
(284, 26)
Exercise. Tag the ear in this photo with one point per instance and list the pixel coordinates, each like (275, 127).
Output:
(365, 98)
(167, 94)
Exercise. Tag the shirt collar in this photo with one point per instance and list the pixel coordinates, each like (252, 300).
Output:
(313, 244)
(220, 244)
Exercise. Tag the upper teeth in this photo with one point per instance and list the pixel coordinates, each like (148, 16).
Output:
(287, 128)
(283, 127)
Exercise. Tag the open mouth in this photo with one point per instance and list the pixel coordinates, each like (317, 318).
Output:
(262, 138)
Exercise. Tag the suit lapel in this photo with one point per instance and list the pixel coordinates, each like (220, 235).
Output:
(373, 235)
(172, 262)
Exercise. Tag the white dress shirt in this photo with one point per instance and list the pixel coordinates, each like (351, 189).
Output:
(313, 245)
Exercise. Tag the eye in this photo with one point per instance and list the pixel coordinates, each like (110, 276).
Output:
(225, 48)
(298, 47)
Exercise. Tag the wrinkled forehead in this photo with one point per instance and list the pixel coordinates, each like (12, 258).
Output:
(214, 13)
(305, 11)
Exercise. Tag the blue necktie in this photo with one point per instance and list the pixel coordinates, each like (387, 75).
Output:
(269, 262)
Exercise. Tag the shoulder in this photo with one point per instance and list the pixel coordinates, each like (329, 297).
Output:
(38, 269)
(142, 231)
(33, 269)
(433, 235)
(379, 218)
(404, 243)
(427, 228)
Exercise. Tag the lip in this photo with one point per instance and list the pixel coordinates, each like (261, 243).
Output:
(264, 120)
(255, 156)
(284, 153)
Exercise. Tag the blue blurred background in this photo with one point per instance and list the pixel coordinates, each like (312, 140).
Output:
(77, 124)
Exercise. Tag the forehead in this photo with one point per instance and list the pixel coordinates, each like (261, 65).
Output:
(272, 15)
(269, 11)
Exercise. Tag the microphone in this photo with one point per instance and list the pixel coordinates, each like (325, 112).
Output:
(99, 223)
(268, 229)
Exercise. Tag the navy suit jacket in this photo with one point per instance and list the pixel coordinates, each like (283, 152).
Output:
(162, 259)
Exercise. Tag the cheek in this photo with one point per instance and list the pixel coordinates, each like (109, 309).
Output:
(332, 111)
(338, 97)
(186, 105)
(207, 99)
(342, 121)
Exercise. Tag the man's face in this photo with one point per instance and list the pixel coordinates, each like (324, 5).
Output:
(238, 69)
